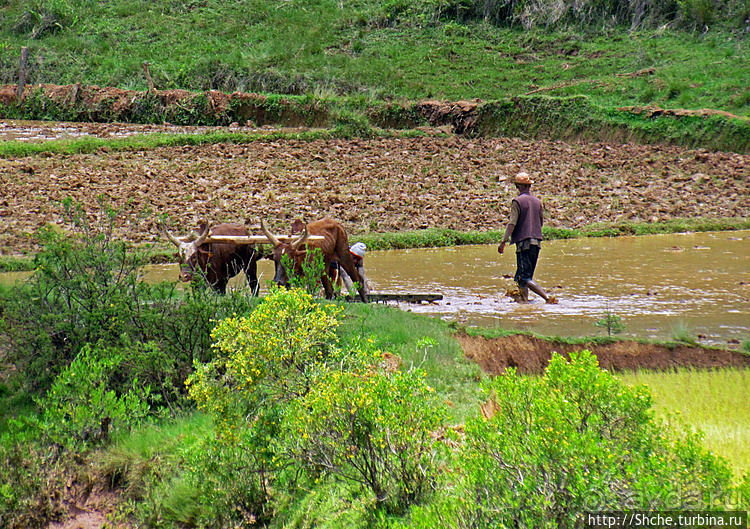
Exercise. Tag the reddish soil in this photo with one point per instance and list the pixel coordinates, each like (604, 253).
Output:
(530, 355)
(380, 185)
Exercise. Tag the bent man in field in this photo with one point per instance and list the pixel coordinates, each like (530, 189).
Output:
(339, 275)
(525, 231)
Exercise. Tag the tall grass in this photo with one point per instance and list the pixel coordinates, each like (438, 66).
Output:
(714, 402)
(147, 465)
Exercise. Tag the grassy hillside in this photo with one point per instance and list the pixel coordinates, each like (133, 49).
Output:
(688, 55)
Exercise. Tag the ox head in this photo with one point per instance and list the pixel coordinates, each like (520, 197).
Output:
(281, 249)
(188, 252)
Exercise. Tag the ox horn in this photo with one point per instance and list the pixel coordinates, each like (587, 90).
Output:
(296, 243)
(177, 242)
(203, 236)
(271, 237)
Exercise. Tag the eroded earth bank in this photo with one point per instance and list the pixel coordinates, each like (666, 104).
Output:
(531, 355)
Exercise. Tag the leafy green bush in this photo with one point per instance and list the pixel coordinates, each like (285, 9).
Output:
(286, 399)
(88, 288)
(265, 358)
(84, 289)
(373, 428)
(308, 279)
(39, 454)
(83, 403)
(264, 361)
(233, 479)
(578, 440)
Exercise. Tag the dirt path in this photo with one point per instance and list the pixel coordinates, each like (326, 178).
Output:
(530, 355)
(380, 185)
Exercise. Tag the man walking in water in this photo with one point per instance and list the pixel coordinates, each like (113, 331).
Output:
(525, 231)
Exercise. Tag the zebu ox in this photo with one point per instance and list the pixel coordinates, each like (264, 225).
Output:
(335, 244)
(218, 262)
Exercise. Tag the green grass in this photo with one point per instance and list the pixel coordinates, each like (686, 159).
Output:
(148, 463)
(378, 50)
(714, 402)
(420, 342)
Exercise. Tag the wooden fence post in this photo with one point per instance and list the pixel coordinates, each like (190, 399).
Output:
(22, 71)
(151, 86)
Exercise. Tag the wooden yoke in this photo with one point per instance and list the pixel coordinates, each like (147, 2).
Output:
(255, 239)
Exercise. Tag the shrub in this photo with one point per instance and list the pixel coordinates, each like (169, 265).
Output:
(266, 358)
(371, 427)
(40, 454)
(233, 478)
(84, 402)
(84, 289)
(32, 475)
(285, 396)
(264, 361)
(88, 288)
(578, 440)
(313, 267)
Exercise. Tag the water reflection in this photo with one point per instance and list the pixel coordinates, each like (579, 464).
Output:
(696, 284)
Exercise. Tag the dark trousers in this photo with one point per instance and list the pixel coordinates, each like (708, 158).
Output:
(526, 264)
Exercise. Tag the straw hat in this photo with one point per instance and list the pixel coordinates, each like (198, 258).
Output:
(523, 178)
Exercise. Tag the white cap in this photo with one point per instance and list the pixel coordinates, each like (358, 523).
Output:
(358, 249)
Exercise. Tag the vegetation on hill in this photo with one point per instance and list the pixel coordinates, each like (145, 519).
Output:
(677, 54)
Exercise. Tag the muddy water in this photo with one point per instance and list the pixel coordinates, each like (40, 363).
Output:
(40, 131)
(660, 286)
(37, 131)
(694, 284)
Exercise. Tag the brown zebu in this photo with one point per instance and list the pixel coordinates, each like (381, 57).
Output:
(335, 244)
(218, 262)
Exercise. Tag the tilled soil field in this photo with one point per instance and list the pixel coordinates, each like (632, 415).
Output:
(380, 185)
